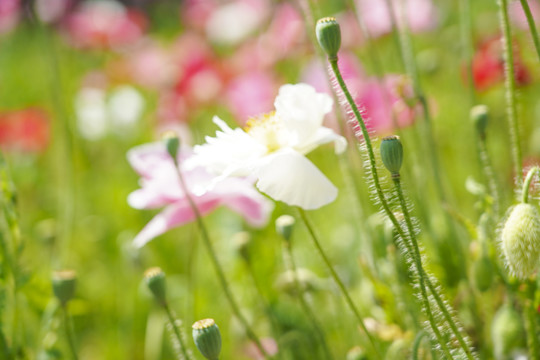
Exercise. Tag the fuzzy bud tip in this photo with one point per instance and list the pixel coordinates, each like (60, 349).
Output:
(329, 36)
(207, 338)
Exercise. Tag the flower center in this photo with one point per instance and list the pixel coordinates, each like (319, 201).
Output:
(268, 130)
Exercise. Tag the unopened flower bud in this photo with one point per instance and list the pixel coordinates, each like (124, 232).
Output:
(207, 338)
(155, 280)
(285, 226)
(479, 116)
(329, 36)
(63, 284)
(521, 240)
(507, 332)
(392, 154)
(483, 273)
(172, 143)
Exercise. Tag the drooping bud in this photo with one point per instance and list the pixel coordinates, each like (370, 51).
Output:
(483, 273)
(285, 226)
(63, 284)
(207, 338)
(172, 143)
(329, 36)
(507, 332)
(392, 154)
(479, 116)
(521, 240)
(155, 280)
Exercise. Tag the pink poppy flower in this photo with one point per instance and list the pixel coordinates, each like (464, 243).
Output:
(10, 11)
(105, 24)
(421, 15)
(25, 130)
(517, 15)
(251, 94)
(160, 186)
(151, 66)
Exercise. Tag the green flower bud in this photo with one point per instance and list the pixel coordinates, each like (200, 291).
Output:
(507, 332)
(172, 143)
(155, 280)
(285, 226)
(207, 338)
(521, 240)
(392, 154)
(329, 36)
(483, 273)
(63, 284)
(356, 353)
(479, 116)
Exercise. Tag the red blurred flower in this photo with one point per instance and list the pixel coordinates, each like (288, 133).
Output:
(26, 130)
(105, 24)
(488, 65)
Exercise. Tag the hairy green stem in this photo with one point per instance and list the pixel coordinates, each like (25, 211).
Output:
(217, 267)
(510, 86)
(176, 331)
(531, 320)
(384, 202)
(532, 26)
(337, 279)
(69, 332)
(527, 184)
(305, 306)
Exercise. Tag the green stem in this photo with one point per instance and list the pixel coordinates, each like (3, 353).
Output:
(176, 331)
(69, 332)
(489, 173)
(305, 306)
(467, 44)
(338, 280)
(510, 86)
(413, 250)
(217, 267)
(527, 184)
(532, 26)
(417, 342)
(382, 198)
(531, 319)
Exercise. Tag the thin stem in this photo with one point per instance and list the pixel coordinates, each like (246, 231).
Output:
(531, 319)
(527, 184)
(510, 86)
(413, 250)
(466, 38)
(532, 26)
(489, 173)
(217, 267)
(337, 280)
(303, 303)
(69, 332)
(380, 194)
(417, 342)
(176, 331)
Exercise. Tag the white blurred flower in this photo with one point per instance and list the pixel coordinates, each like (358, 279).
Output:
(272, 148)
(98, 113)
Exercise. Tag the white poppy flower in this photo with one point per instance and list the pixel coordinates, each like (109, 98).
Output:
(272, 147)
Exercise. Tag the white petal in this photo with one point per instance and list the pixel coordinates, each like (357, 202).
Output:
(323, 136)
(290, 177)
(302, 110)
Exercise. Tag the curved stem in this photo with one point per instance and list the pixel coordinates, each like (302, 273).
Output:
(510, 86)
(532, 26)
(69, 332)
(337, 280)
(417, 341)
(176, 331)
(217, 267)
(527, 184)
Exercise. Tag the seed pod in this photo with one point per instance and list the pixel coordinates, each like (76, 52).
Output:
(521, 240)
(507, 332)
(285, 226)
(329, 36)
(392, 154)
(155, 280)
(63, 284)
(483, 273)
(172, 143)
(479, 116)
(207, 338)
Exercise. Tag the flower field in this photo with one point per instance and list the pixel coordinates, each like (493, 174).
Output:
(257, 179)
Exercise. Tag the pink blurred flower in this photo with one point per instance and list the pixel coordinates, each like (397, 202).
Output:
(160, 186)
(105, 24)
(421, 15)
(269, 344)
(151, 66)
(251, 94)
(25, 130)
(517, 15)
(50, 11)
(10, 11)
